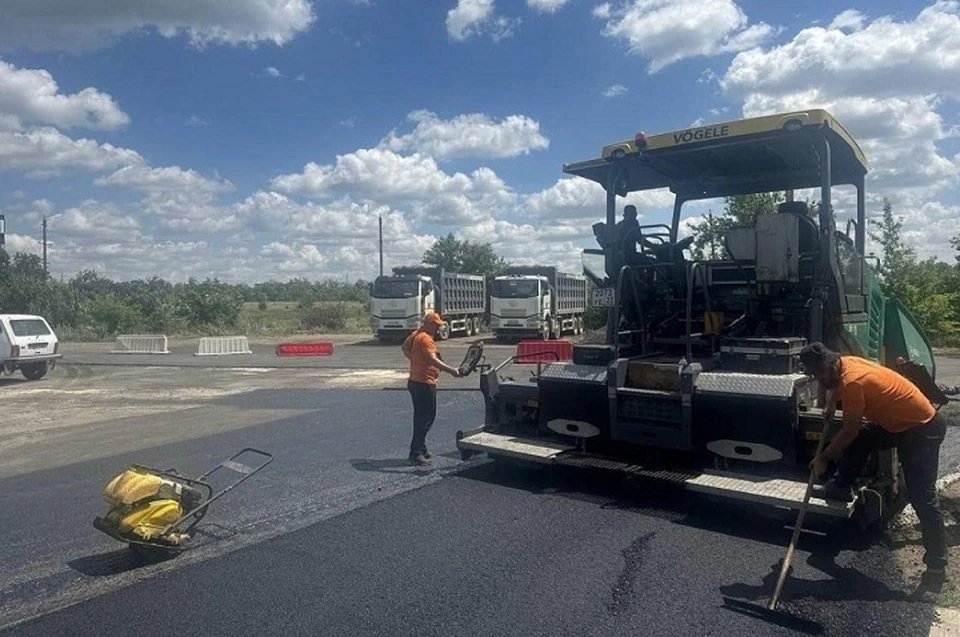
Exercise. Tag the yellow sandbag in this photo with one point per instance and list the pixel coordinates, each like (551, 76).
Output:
(132, 486)
(135, 485)
(146, 521)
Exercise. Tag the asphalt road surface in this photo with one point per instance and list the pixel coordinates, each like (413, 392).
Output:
(339, 536)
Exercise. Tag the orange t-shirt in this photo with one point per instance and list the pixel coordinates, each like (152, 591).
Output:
(422, 347)
(882, 395)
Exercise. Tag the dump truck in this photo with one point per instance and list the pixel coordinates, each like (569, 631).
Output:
(696, 381)
(538, 301)
(398, 302)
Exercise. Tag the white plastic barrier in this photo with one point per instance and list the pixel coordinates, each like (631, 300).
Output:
(141, 344)
(223, 345)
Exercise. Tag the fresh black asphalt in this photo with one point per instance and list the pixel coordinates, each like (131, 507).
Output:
(339, 537)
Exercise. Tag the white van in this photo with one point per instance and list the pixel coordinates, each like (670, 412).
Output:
(27, 343)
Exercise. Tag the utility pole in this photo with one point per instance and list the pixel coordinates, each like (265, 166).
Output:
(45, 271)
(380, 223)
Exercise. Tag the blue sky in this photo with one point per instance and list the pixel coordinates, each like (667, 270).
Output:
(256, 139)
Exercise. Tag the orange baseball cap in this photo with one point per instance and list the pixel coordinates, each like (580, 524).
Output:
(433, 317)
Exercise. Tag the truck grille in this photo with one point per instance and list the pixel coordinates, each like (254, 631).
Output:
(393, 314)
(508, 313)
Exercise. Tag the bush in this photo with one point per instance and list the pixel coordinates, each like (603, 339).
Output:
(109, 315)
(595, 318)
(331, 317)
(210, 304)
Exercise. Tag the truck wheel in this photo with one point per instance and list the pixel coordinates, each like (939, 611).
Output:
(579, 325)
(34, 371)
(545, 330)
(476, 325)
(443, 333)
(556, 328)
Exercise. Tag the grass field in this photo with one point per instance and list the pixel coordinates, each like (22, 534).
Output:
(282, 317)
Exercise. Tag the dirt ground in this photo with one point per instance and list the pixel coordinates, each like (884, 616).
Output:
(904, 538)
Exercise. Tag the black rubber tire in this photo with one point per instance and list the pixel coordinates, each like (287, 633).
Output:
(35, 371)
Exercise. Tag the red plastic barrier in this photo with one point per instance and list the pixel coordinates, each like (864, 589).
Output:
(305, 349)
(544, 351)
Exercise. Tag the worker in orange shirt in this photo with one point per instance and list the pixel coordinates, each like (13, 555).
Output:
(883, 410)
(425, 366)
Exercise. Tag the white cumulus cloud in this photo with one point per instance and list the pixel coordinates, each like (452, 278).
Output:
(547, 6)
(889, 81)
(96, 221)
(167, 178)
(83, 24)
(849, 19)
(667, 31)
(886, 57)
(574, 198)
(476, 17)
(469, 135)
(46, 151)
(617, 90)
(32, 96)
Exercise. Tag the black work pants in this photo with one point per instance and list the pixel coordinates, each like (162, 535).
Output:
(918, 449)
(424, 397)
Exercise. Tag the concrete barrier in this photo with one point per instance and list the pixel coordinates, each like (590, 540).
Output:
(141, 344)
(223, 346)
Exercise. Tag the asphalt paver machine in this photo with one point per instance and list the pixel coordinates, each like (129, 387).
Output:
(695, 380)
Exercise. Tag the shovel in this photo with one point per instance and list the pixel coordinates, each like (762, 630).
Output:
(769, 612)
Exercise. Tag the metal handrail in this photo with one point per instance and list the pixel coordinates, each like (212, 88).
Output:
(691, 272)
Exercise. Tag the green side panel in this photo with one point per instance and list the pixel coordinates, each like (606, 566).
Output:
(866, 338)
(903, 337)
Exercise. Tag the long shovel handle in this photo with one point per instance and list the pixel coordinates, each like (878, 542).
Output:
(788, 558)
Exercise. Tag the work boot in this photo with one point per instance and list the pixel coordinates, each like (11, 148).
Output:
(931, 583)
(427, 455)
(420, 460)
(830, 490)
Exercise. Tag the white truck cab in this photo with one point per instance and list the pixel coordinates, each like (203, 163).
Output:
(28, 344)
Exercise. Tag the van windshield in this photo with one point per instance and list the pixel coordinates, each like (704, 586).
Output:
(29, 327)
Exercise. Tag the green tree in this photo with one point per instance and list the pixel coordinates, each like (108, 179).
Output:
(89, 283)
(28, 265)
(927, 288)
(740, 211)
(4, 265)
(210, 304)
(896, 258)
(109, 315)
(453, 254)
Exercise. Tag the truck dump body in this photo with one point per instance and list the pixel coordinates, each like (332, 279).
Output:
(458, 294)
